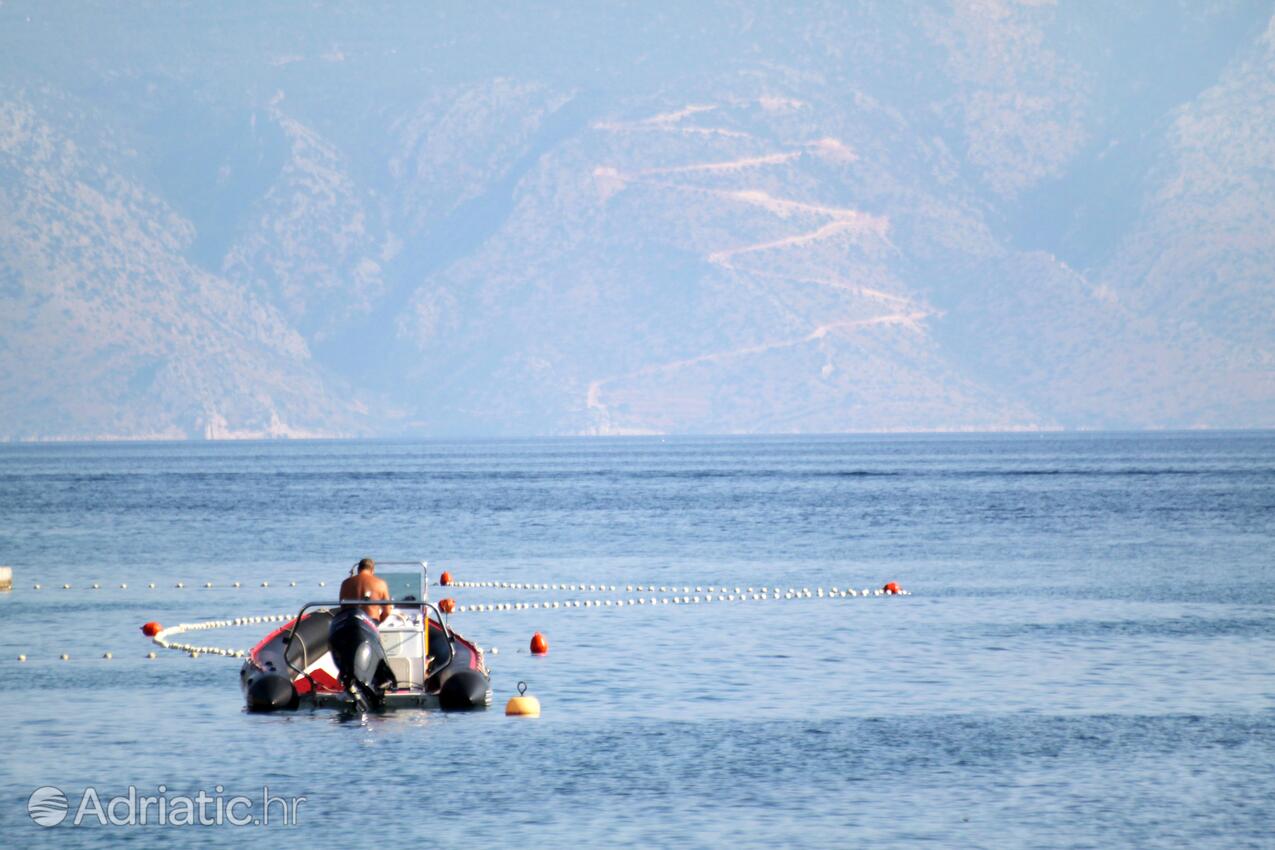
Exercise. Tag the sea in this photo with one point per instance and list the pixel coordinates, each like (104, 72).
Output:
(1085, 657)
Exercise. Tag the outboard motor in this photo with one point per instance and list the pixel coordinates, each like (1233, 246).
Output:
(356, 650)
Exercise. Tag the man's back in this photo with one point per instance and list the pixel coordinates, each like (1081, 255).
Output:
(365, 585)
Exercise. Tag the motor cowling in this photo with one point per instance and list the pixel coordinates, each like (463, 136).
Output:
(359, 657)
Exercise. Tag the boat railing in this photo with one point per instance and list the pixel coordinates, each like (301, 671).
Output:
(406, 602)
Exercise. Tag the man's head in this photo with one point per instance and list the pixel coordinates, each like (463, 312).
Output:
(367, 565)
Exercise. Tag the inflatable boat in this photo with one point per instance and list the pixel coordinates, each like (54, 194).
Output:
(332, 655)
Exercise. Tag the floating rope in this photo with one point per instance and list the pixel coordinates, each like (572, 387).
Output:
(180, 585)
(162, 637)
(665, 595)
(690, 596)
(579, 587)
(712, 595)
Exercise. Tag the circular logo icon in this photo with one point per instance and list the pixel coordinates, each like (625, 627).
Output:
(47, 806)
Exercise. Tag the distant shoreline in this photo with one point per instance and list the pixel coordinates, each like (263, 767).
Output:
(479, 438)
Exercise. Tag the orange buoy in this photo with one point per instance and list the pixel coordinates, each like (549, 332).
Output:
(445, 579)
(152, 628)
(891, 587)
(539, 644)
(447, 605)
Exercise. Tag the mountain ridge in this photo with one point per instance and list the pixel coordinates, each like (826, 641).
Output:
(404, 221)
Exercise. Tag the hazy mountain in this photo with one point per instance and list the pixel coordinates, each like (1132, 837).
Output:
(652, 218)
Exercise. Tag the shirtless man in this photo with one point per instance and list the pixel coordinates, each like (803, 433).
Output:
(365, 585)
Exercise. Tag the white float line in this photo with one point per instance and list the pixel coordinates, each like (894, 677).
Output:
(502, 585)
(774, 595)
(629, 588)
(709, 596)
(106, 656)
(574, 586)
(579, 587)
(180, 585)
(524, 585)
(162, 637)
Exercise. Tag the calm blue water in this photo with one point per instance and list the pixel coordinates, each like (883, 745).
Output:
(1088, 659)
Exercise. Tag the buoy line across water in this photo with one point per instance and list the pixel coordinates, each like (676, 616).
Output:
(182, 585)
(693, 595)
(676, 595)
(578, 587)
(689, 598)
(162, 636)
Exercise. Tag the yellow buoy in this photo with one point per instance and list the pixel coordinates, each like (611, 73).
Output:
(522, 705)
